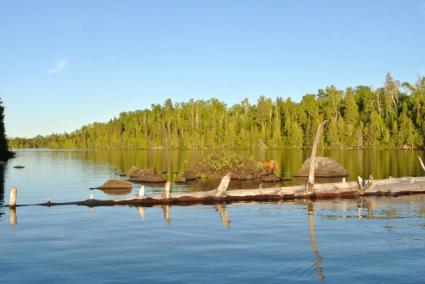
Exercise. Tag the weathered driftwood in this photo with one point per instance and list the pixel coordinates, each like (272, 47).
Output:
(390, 187)
(351, 189)
(310, 181)
(422, 163)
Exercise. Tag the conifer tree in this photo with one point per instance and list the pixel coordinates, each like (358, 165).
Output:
(5, 153)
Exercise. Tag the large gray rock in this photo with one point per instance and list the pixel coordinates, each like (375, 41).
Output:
(323, 167)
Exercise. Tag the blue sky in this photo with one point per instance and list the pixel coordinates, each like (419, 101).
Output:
(64, 64)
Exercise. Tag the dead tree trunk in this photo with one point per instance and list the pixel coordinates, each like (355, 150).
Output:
(310, 182)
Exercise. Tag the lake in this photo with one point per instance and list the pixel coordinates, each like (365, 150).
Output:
(373, 239)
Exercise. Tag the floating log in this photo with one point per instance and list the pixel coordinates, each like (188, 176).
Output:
(19, 167)
(350, 189)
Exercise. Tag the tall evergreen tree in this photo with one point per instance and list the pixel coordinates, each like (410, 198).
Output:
(5, 153)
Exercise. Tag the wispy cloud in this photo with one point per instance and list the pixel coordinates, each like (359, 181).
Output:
(59, 66)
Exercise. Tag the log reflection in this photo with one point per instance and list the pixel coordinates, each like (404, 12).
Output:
(142, 213)
(319, 259)
(12, 218)
(166, 211)
(224, 215)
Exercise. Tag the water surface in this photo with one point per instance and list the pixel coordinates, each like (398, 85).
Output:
(379, 239)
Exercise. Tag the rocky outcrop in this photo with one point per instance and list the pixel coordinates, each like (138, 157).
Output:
(136, 174)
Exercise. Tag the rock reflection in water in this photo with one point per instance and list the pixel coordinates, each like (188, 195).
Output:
(116, 191)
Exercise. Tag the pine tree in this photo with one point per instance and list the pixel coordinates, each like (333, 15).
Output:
(5, 153)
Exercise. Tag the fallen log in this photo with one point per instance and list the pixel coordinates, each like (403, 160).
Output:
(384, 187)
(351, 189)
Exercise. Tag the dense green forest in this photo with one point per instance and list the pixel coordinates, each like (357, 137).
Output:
(392, 116)
(5, 153)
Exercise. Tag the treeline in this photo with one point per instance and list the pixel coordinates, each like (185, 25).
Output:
(5, 153)
(392, 116)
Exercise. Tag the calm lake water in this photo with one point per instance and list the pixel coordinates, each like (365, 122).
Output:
(370, 240)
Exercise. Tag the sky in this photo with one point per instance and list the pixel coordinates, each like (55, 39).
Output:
(65, 64)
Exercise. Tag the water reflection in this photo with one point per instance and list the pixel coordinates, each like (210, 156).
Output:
(2, 170)
(116, 191)
(319, 259)
(379, 163)
(224, 215)
(13, 219)
(166, 212)
(141, 213)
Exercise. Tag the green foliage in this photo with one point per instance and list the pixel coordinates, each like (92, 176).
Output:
(361, 117)
(5, 153)
(227, 161)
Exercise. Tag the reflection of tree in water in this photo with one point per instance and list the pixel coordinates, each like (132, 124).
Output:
(319, 259)
(2, 169)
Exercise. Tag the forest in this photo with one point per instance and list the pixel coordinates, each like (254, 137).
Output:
(391, 116)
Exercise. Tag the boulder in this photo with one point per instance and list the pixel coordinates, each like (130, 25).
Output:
(116, 184)
(133, 171)
(180, 180)
(250, 177)
(270, 178)
(116, 191)
(148, 179)
(323, 167)
(189, 175)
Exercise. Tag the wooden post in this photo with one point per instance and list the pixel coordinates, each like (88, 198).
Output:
(422, 163)
(310, 181)
(167, 190)
(221, 189)
(12, 197)
(142, 191)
